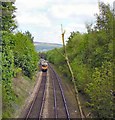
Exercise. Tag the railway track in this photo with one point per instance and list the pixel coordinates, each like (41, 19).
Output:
(36, 108)
(60, 104)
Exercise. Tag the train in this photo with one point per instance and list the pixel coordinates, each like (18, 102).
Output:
(43, 65)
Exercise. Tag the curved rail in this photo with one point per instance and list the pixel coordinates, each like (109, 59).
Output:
(62, 93)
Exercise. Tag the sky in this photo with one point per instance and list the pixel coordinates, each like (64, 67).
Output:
(43, 18)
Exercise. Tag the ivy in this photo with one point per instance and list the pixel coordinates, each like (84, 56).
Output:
(7, 69)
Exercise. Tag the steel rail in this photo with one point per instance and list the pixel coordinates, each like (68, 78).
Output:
(31, 106)
(55, 101)
(62, 93)
(33, 103)
(64, 100)
(43, 100)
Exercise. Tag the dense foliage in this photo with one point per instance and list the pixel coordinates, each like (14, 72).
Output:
(25, 56)
(91, 58)
(8, 22)
(18, 54)
(7, 69)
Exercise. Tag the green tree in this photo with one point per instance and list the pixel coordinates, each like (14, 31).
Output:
(7, 26)
(91, 58)
(25, 55)
(100, 89)
(27, 33)
(8, 22)
(17, 51)
(7, 71)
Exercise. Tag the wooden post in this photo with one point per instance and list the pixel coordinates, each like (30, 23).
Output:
(72, 74)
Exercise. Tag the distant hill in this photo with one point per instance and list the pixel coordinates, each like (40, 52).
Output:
(42, 46)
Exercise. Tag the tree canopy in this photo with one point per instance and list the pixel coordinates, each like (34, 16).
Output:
(18, 54)
(91, 58)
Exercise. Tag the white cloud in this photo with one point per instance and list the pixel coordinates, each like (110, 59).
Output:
(74, 27)
(51, 34)
(65, 11)
(38, 20)
(28, 13)
(43, 17)
(107, 1)
(30, 4)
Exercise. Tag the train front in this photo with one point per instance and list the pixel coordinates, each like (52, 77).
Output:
(44, 67)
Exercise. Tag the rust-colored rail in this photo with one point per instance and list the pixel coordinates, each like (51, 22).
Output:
(36, 108)
(57, 81)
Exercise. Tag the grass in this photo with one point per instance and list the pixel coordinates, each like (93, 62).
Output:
(22, 87)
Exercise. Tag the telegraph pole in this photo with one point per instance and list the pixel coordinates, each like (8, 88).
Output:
(63, 32)
(70, 69)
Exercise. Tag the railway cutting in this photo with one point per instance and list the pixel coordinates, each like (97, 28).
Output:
(51, 100)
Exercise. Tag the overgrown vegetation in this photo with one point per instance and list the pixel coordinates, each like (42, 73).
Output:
(25, 56)
(18, 54)
(91, 58)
